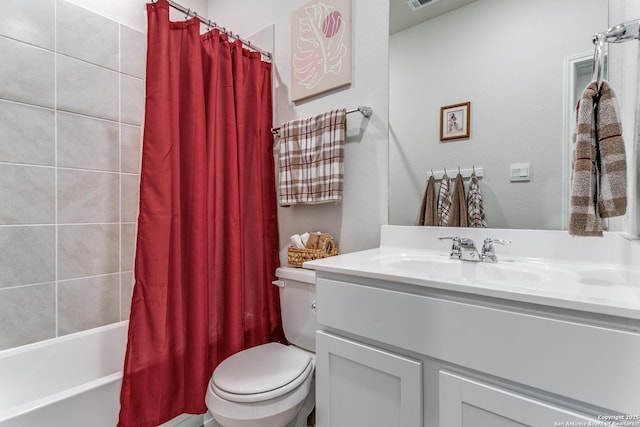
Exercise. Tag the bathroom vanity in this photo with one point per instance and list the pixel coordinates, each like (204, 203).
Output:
(547, 336)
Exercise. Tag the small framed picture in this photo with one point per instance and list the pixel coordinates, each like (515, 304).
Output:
(454, 121)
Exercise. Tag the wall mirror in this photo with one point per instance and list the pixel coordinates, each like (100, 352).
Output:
(521, 65)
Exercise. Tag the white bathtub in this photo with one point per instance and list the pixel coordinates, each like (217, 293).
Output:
(69, 381)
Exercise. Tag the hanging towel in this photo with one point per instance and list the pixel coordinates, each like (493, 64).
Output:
(599, 175)
(312, 159)
(612, 185)
(458, 215)
(444, 201)
(429, 210)
(583, 218)
(475, 208)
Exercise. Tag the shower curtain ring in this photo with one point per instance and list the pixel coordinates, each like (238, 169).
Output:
(186, 16)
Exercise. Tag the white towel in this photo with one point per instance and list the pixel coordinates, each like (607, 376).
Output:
(296, 241)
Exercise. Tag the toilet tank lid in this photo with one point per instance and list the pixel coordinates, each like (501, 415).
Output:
(260, 369)
(295, 273)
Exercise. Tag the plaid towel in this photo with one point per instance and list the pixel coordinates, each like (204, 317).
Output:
(612, 177)
(444, 201)
(583, 218)
(475, 208)
(312, 159)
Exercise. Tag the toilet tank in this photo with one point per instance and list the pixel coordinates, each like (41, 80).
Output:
(297, 304)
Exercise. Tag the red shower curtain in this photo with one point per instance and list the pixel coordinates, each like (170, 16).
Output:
(207, 245)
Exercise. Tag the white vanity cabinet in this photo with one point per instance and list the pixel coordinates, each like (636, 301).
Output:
(366, 386)
(469, 403)
(394, 354)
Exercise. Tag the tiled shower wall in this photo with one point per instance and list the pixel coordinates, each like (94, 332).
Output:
(71, 109)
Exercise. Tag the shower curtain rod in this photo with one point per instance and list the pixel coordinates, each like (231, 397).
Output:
(190, 13)
(366, 111)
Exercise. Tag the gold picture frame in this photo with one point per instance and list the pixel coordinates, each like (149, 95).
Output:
(455, 121)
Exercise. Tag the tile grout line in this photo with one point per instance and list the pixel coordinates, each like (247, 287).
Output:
(70, 56)
(120, 169)
(55, 160)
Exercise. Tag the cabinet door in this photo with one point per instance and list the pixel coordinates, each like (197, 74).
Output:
(358, 385)
(469, 403)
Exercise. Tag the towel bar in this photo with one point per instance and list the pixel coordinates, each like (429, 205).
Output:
(365, 110)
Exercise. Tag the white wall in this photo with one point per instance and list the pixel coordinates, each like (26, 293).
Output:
(356, 221)
(493, 54)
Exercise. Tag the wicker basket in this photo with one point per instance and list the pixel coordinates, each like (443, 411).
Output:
(326, 248)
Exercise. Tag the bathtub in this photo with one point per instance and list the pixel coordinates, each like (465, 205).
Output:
(69, 381)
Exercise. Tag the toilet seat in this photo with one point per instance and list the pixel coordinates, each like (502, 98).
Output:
(261, 373)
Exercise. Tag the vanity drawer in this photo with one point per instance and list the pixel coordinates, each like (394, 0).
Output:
(596, 365)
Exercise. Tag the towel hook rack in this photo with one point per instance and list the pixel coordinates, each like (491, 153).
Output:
(466, 173)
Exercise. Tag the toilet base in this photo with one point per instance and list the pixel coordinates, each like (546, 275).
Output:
(305, 410)
(262, 414)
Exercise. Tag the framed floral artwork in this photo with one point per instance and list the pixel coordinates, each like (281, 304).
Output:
(320, 47)
(454, 121)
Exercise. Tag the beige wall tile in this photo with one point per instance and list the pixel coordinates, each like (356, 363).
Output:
(88, 303)
(28, 255)
(27, 194)
(86, 35)
(27, 314)
(88, 196)
(88, 250)
(87, 89)
(29, 75)
(26, 134)
(88, 143)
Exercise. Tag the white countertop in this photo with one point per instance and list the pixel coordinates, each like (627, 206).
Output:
(572, 278)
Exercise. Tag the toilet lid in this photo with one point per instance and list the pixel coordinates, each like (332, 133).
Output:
(260, 369)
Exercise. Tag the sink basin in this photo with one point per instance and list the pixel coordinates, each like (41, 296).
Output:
(442, 268)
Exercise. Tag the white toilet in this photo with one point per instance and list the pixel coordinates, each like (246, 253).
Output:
(272, 385)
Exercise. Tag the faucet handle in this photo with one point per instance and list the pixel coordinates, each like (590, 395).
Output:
(455, 239)
(489, 241)
(488, 252)
(456, 252)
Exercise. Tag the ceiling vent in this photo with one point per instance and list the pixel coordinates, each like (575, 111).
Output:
(417, 4)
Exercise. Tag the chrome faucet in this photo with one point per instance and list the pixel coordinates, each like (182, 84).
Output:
(488, 251)
(465, 249)
(455, 253)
